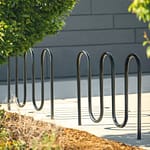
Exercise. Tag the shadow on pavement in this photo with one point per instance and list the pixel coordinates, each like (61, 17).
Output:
(131, 139)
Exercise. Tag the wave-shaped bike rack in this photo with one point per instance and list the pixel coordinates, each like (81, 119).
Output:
(101, 77)
(38, 108)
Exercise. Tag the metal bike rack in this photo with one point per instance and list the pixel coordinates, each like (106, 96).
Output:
(38, 108)
(51, 78)
(139, 74)
(101, 78)
(81, 55)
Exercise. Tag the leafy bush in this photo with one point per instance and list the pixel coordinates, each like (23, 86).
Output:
(25, 22)
(6, 141)
(15, 134)
(142, 10)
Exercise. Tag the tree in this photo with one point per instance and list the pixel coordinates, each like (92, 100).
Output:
(25, 22)
(142, 10)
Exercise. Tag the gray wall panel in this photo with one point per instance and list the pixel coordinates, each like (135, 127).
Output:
(83, 7)
(89, 22)
(127, 21)
(140, 34)
(109, 6)
(89, 37)
(65, 59)
(3, 72)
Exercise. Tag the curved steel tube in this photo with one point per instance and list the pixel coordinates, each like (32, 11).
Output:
(33, 84)
(16, 83)
(33, 80)
(8, 83)
(101, 67)
(51, 76)
(102, 60)
(139, 73)
(25, 82)
(80, 55)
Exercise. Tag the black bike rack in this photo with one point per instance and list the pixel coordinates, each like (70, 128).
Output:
(81, 55)
(44, 51)
(101, 78)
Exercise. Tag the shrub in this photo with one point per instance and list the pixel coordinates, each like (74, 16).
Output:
(142, 10)
(25, 22)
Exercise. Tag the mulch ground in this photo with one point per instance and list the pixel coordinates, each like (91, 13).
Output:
(28, 130)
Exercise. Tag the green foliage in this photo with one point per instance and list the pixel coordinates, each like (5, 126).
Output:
(47, 142)
(148, 51)
(10, 141)
(1, 113)
(142, 10)
(6, 143)
(25, 22)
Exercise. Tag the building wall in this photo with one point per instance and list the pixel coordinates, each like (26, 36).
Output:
(95, 26)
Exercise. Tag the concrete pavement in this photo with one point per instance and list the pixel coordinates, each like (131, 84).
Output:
(66, 115)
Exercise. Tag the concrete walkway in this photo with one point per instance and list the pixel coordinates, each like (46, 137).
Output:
(66, 115)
